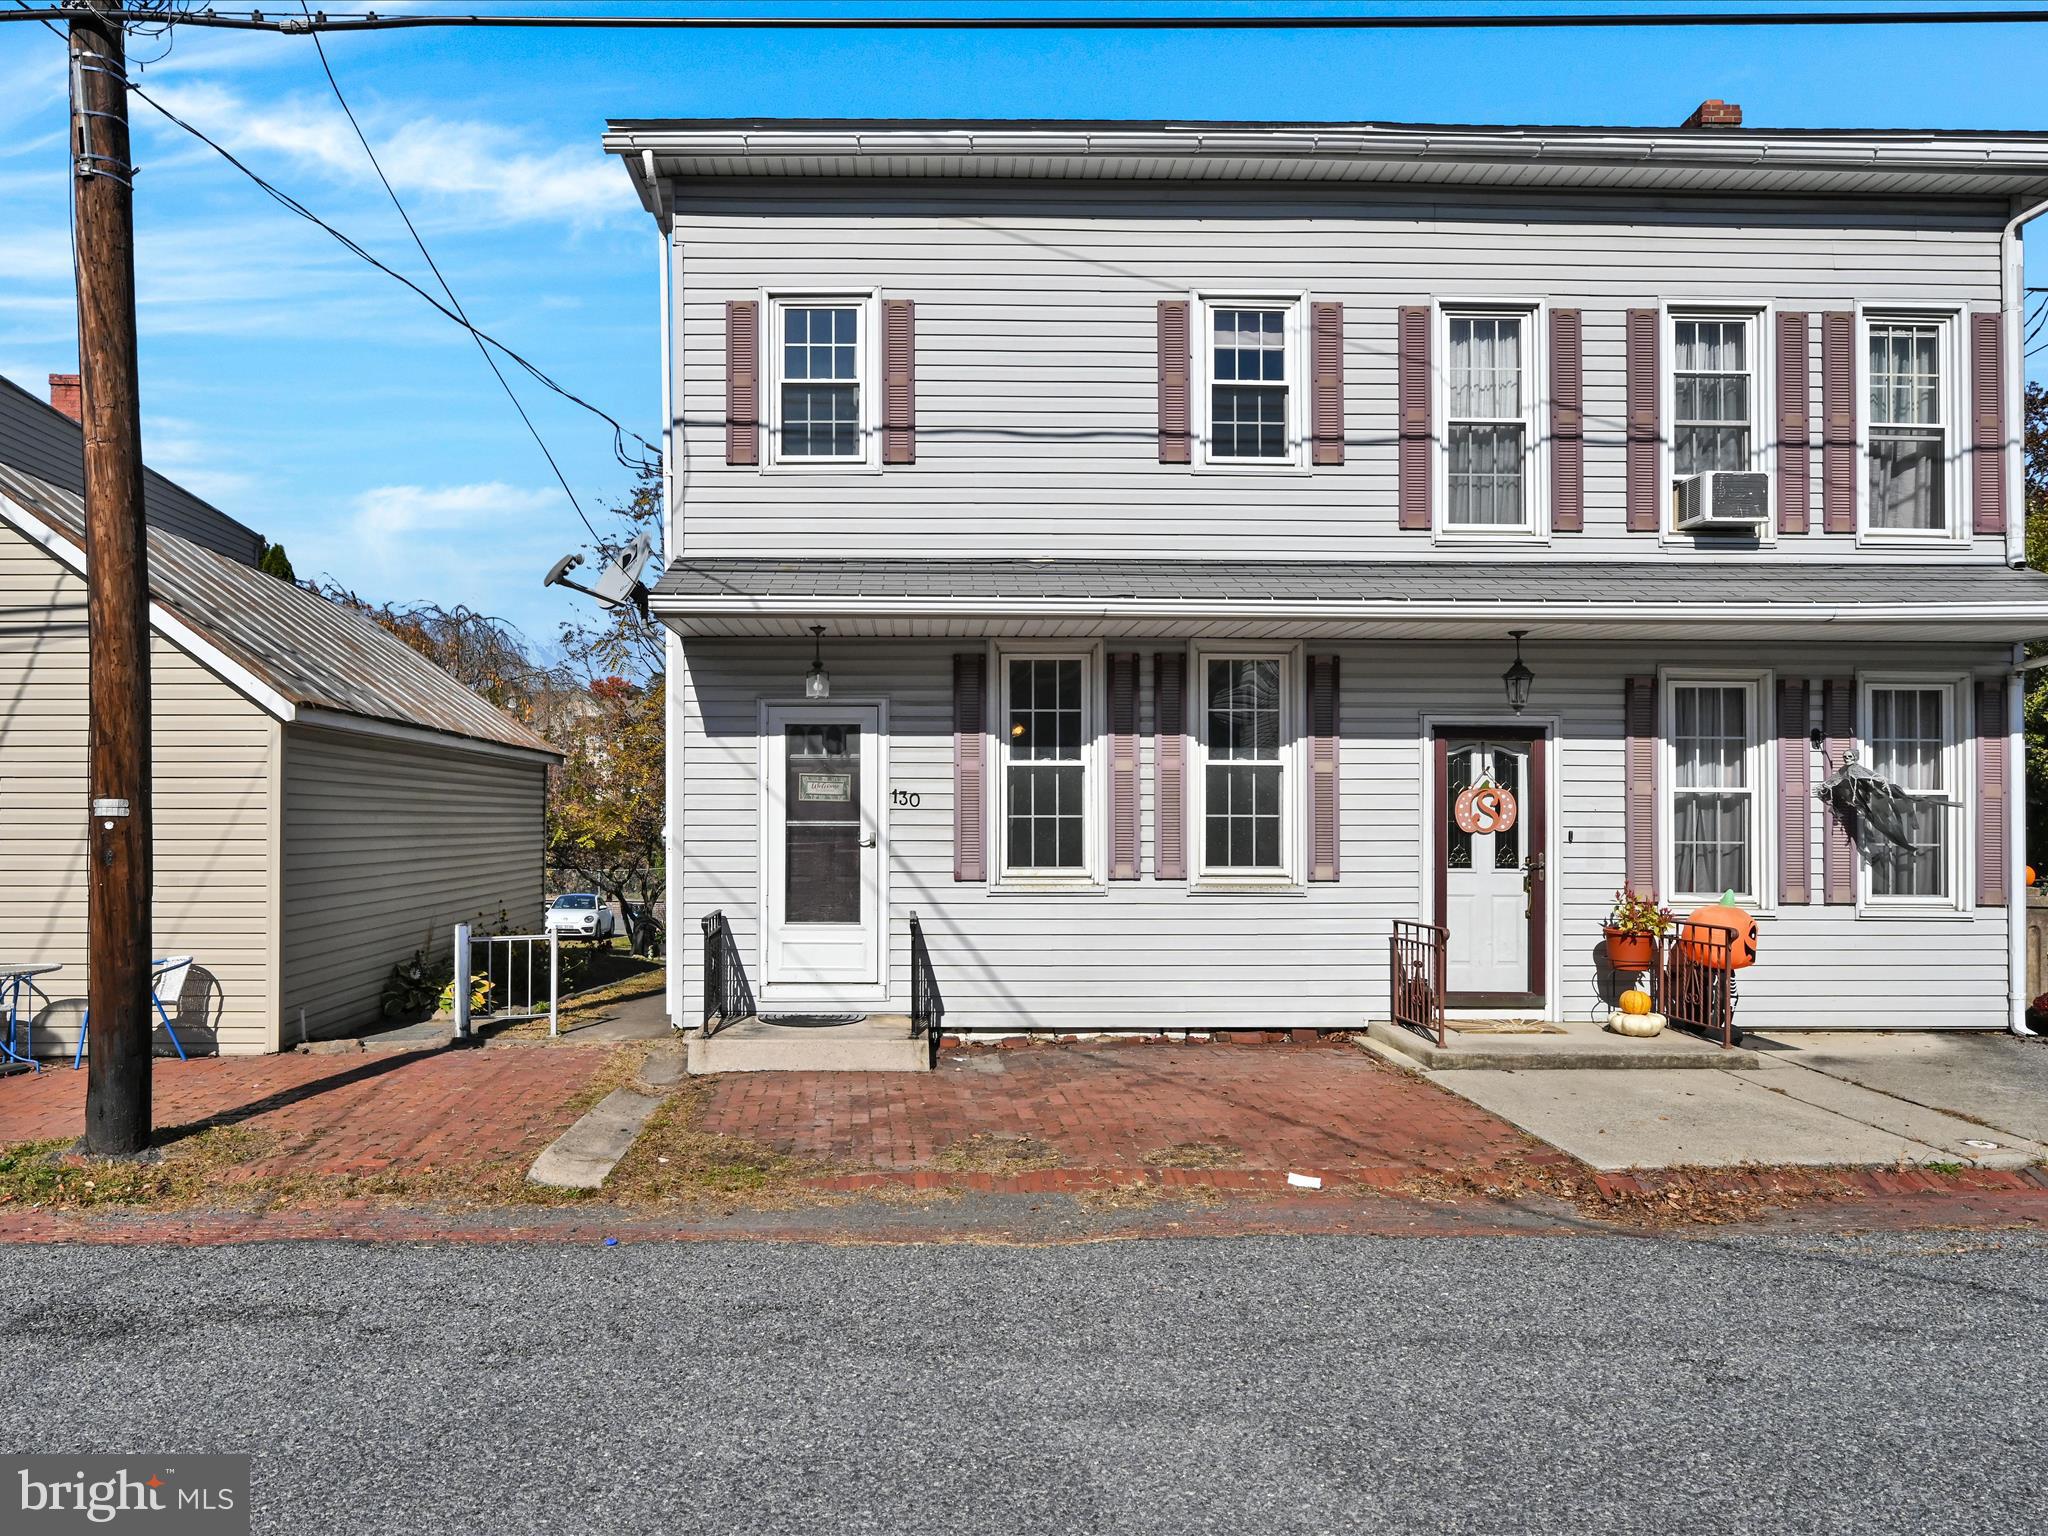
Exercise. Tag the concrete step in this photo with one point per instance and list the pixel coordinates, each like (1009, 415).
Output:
(1580, 1047)
(879, 1043)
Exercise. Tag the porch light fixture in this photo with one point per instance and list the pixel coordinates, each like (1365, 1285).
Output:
(817, 681)
(1518, 677)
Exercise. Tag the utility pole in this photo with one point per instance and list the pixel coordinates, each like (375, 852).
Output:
(117, 1086)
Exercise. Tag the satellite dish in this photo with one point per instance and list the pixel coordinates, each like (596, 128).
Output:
(618, 583)
(561, 568)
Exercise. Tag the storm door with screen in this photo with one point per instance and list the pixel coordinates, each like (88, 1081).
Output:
(1490, 868)
(823, 902)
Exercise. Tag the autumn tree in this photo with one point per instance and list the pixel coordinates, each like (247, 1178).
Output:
(605, 806)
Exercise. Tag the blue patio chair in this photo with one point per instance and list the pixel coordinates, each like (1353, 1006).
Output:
(167, 976)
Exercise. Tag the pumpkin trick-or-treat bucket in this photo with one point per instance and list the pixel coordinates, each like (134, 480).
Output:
(1705, 948)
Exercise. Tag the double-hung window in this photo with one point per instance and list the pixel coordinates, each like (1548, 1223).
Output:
(819, 352)
(1246, 742)
(1713, 394)
(1487, 422)
(1048, 742)
(1911, 732)
(1252, 352)
(1908, 377)
(1714, 754)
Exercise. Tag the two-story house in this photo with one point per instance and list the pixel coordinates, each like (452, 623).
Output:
(1110, 541)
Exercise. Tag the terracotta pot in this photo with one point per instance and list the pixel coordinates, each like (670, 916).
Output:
(1630, 951)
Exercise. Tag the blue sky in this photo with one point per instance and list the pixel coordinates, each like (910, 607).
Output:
(315, 399)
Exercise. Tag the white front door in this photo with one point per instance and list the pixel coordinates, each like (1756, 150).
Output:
(822, 901)
(1486, 899)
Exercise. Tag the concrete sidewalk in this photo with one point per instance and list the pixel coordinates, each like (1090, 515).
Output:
(1838, 1099)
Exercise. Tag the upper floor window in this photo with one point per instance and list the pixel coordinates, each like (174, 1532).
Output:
(1047, 743)
(1487, 427)
(1911, 732)
(1253, 357)
(1246, 778)
(819, 396)
(1713, 394)
(1909, 426)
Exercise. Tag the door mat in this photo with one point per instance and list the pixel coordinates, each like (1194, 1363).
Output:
(812, 1020)
(1502, 1027)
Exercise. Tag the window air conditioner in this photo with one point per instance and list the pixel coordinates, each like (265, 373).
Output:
(1724, 501)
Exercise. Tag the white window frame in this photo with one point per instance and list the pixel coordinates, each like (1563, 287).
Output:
(1294, 306)
(1094, 780)
(1763, 415)
(867, 361)
(1955, 490)
(1535, 524)
(1958, 727)
(1292, 768)
(1760, 766)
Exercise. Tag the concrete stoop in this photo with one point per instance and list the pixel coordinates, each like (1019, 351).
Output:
(879, 1043)
(1580, 1047)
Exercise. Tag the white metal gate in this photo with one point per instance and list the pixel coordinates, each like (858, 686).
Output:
(524, 971)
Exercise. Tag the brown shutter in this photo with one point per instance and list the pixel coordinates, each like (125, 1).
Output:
(1993, 792)
(1413, 405)
(1643, 447)
(1795, 793)
(1838, 737)
(743, 382)
(1567, 423)
(1838, 423)
(1123, 765)
(1326, 382)
(1987, 423)
(1169, 766)
(1640, 793)
(1322, 767)
(1795, 431)
(899, 381)
(970, 766)
(1176, 440)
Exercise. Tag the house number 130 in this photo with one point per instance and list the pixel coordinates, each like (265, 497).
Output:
(907, 797)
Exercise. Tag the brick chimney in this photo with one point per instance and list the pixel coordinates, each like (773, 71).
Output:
(1715, 113)
(66, 396)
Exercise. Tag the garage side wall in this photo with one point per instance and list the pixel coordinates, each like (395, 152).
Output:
(388, 845)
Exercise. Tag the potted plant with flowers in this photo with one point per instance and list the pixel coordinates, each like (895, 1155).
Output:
(1633, 929)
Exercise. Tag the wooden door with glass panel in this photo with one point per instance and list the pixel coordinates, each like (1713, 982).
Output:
(1490, 887)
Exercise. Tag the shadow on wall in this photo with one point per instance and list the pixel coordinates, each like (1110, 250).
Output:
(196, 1014)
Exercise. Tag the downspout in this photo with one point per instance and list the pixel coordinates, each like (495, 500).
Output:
(2016, 840)
(2012, 296)
(672, 655)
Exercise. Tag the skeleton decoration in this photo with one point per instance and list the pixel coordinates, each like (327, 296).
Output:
(1877, 812)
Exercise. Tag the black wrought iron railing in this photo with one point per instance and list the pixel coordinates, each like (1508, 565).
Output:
(1416, 977)
(927, 1008)
(727, 997)
(1696, 980)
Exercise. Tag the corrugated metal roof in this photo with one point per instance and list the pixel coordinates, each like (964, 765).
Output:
(310, 651)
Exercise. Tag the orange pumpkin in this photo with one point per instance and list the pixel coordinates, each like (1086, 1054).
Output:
(1635, 1000)
(1705, 949)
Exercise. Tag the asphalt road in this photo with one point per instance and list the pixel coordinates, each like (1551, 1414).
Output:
(1247, 1386)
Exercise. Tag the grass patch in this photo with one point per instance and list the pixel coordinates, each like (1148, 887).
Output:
(675, 1162)
(1194, 1154)
(986, 1152)
(50, 1175)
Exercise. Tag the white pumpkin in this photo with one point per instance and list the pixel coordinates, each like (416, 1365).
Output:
(1639, 1025)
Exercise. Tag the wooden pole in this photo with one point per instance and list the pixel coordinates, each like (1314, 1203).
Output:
(117, 1088)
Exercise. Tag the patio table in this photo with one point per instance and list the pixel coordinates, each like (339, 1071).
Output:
(17, 1053)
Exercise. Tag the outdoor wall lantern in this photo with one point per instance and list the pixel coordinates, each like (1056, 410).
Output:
(1518, 677)
(817, 681)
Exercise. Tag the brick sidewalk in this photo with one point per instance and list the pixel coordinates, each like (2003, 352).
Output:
(396, 1111)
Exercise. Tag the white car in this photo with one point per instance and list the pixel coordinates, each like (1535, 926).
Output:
(581, 915)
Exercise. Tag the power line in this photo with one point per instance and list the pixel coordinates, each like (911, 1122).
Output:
(434, 267)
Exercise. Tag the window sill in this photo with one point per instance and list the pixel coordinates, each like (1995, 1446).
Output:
(1917, 914)
(1227, 887)
(1000, 889)
(1519, 538)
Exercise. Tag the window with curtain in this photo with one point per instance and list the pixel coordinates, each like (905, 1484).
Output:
(1713, 789)
(1045, 767)
(1248, 406)
(1244, 788)
(1908, 427)
(1712, 395)
(821, 383)
(1910, 731)
(1486, 427)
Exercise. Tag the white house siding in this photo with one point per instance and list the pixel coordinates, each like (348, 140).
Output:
(212, 786)
(1152, 955)
(1036, 346)
(387, 845)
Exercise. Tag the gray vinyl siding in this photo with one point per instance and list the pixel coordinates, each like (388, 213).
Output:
(1036, 348)
(212, 789)
(1154, 955)
(387, 845)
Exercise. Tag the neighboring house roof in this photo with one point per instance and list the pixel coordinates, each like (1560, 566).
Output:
(300, 656)
(1447, 596)
(42, 441)
(1867, 162)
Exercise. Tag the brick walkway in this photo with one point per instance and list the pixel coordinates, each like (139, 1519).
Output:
(1125, 1106)
(361, 1113)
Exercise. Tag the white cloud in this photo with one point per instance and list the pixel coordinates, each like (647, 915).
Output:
(392, 512)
